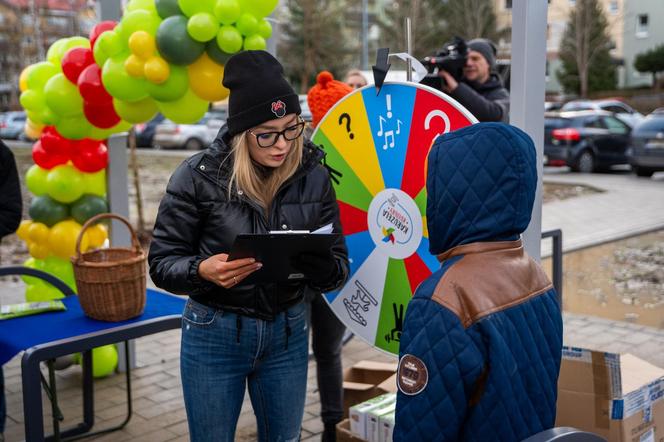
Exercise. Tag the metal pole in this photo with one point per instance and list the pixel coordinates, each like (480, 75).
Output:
(409, 50)
(110, 9)
(364, 63)
(527, 95)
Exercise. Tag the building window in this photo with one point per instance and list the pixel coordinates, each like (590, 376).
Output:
(572, 2)
(508, 4)
(642, 25)
(613, 7)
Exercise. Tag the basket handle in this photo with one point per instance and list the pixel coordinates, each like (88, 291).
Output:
(134, 239)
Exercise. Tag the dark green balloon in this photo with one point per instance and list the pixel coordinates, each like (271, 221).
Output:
(215, 53)
(88, 206)
(167, 8)
(46, 210)
(175, 44)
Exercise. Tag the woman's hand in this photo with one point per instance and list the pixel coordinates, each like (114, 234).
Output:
(221, 271)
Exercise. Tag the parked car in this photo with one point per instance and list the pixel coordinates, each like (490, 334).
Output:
(586, 141)
(621, 110)
(304, 105)
(550, 106)
(170, 135)
(12, 125)
(646, 151)
(145, 131)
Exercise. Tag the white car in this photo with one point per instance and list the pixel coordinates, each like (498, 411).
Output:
(621, 110)
(170, 135)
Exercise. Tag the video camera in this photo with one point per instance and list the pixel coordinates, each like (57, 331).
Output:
(452, 59)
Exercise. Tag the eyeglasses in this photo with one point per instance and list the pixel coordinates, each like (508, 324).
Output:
(269, 139)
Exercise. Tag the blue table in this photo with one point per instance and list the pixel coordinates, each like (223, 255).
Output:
(47, 336)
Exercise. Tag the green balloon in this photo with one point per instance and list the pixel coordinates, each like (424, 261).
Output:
(61, 269)
(254, 43)
(56, 51)
(65, 183)
(74, 128)
(32, 100)
(41, 292)
(227, 11)
(193, 7)
(139, 20)
(202, 27)
(229, 39)
(48, 117)
(37, 264)
(110, 43)
(95, 183)
(258, 8)
(187, 110)
(104, 360)
(119, 83)
(62, 96)
(247, 24)
(75, 42)
(88, 206)
(167, 8)
(215, 53)
(137, 111)
(40, 73)
(46, 210)
(175, 44)
(173, 88)
(35, 179)
(98, 53)
(147, 5)
(102, 134)
(264, 28)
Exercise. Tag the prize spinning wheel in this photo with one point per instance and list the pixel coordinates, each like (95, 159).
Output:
(380, 145)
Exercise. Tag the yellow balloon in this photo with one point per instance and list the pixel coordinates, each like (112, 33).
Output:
(37, 250)
(62, 239)
(33, 130)
(156, 70)
(23, 79)
(38, 233)
(205, 79)
(142, 44)
(134, 66)
(97, 235)
(22, 231)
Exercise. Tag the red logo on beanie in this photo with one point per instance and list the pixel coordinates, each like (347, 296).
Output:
(279, 108)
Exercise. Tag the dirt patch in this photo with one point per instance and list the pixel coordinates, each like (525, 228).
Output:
(558, 192)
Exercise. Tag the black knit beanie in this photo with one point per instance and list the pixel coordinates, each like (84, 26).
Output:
(486, 48)
(258, 91)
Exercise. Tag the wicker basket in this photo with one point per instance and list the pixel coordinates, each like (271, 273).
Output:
(111, 282)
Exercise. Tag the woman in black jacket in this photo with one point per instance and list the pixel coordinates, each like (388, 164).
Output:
(257, 176)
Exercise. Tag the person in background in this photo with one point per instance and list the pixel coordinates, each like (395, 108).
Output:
(481, 89)
(259, 175)
(11, 206)
(480, 351)
(355, 79)
(327, 331)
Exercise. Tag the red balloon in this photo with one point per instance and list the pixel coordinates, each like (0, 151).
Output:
(91, 88)
(54, 144)
(74, 61)
(99, 28)
(102, 116)
(90, 156)
(44, 159)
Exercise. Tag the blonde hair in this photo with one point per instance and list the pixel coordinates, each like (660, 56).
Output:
(245, 177)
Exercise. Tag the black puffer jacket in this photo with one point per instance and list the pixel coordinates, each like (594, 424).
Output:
(196, 220)
(488, 101)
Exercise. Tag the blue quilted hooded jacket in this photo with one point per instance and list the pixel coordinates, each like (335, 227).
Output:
(481, 346)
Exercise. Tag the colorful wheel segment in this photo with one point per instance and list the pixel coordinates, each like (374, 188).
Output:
(380, 145)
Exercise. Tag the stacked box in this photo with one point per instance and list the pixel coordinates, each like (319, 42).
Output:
(358, 414)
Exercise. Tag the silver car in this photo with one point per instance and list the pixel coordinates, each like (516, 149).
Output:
(170, 135)
(12, 125)
(621, 110)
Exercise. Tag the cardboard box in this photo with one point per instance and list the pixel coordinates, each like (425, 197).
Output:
(368, 379)
(344, 434)
(617, 396)
(358, 414)
(387, 427)
(373, 420)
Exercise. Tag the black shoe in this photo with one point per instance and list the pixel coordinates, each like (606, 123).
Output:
(329, 433)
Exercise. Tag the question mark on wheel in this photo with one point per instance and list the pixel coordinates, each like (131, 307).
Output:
(346, 117)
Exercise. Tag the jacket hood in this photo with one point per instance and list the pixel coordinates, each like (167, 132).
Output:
(481, 183)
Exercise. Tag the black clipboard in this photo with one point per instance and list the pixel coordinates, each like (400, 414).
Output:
(276, 251)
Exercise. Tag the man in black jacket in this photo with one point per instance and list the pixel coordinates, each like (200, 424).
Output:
(10, 217)
(481, 90)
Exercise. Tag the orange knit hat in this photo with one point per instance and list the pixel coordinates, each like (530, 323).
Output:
(325, 94)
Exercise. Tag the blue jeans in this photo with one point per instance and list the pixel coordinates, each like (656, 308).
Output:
(222, 353)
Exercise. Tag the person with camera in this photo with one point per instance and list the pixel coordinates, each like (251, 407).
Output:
(480, 88)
